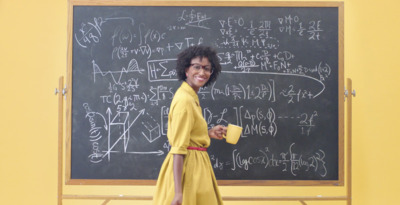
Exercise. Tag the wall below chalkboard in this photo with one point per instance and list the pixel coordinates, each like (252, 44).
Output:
(280, 82)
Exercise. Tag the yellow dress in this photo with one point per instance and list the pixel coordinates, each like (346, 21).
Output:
(187, 127)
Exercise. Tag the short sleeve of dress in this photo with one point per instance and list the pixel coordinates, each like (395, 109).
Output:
(180, 125)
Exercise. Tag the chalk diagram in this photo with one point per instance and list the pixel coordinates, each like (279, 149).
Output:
(119, 124)
(120, 121)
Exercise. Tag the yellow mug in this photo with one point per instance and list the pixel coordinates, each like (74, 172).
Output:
(233, 133)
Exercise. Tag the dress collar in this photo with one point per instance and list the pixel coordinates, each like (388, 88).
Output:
(185, 86)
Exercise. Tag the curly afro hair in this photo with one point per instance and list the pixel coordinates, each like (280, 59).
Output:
(186, 56)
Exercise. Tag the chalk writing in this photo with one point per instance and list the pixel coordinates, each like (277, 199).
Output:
(278, 82)
(290, 161)
(194, 18)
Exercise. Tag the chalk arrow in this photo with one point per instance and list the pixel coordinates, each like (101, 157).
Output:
(159, 152)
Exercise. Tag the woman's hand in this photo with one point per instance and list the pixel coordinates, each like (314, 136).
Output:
(217, 132)
(177, 199)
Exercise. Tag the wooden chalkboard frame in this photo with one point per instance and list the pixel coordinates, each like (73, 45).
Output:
(339, 5)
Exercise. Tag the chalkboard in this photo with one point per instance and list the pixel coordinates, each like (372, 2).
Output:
(281, 81)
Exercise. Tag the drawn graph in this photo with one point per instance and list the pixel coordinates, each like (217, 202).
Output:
(116, 76)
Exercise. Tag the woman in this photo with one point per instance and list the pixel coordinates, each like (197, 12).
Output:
(186, 176)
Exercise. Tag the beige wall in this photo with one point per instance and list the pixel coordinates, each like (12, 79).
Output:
(33, 48)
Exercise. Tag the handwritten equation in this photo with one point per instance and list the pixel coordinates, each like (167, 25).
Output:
(290, 161)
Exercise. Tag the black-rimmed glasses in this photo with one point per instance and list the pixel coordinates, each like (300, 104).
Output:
(206, 68)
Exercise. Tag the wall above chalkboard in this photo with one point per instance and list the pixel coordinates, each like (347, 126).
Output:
(282, 81)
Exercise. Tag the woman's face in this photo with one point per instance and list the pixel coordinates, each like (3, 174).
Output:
(198, 73)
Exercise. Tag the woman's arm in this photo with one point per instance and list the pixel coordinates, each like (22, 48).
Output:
(178, 168)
